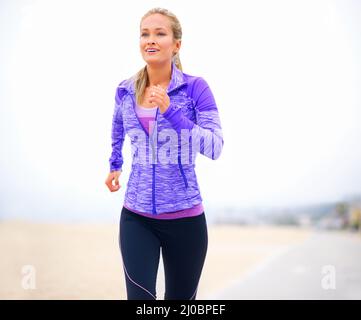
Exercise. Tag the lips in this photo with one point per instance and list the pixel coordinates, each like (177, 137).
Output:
(153, 50)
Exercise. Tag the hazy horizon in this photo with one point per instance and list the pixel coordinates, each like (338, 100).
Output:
(286, 77)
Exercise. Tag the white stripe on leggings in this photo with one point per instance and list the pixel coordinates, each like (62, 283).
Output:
(137, 283)
(194, 293)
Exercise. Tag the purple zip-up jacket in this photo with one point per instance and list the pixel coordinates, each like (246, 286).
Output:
(162, 177)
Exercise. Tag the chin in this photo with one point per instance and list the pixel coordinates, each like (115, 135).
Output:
(154, 61)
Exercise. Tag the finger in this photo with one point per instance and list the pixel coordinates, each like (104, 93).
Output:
(156, 98)
(158, 88)
(115, 188)
(110, 187)
(157, 102)
(108, 183)
(154, 93)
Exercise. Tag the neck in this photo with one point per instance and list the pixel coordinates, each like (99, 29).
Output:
(159, 74)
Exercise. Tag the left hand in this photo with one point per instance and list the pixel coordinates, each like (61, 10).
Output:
(159, 98)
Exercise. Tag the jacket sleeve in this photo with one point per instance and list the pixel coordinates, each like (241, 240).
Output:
(117, 134)
(206, 133)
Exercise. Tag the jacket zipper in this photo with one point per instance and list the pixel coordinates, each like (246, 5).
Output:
(153, 157)
(154, 211)
(182, 172)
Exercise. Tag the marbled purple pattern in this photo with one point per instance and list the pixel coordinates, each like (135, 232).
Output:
(191, 212)
(155, 186)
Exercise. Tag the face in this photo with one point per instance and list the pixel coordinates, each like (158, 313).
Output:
(155, 32)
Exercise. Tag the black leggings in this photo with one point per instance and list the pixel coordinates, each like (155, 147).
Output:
(184, 243)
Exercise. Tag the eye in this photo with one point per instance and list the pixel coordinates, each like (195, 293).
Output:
(160, 33)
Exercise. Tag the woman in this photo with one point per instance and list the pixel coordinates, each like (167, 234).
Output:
(163, 205)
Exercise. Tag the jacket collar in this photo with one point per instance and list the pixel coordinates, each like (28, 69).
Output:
(177, 80)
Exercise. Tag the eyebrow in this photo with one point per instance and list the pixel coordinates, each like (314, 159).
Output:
(155, 28)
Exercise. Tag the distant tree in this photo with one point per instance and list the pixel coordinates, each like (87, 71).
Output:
(342, 209)
(355, 218)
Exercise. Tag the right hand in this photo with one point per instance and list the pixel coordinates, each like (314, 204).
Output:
(113, 176)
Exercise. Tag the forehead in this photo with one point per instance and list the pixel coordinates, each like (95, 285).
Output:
(155, 22)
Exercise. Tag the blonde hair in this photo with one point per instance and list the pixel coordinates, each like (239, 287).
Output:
(141, 77)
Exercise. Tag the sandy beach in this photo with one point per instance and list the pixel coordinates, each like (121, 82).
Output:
(83, 261)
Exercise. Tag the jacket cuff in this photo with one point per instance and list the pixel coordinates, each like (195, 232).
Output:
(115, 168)
(177, 119)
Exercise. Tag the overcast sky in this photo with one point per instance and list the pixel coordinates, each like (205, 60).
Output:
(286, 76)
